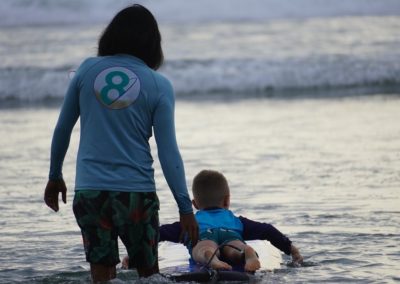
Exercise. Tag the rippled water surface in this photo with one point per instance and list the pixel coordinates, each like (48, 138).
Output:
(323, 171)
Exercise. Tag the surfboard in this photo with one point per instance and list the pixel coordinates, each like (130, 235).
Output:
(175, 263)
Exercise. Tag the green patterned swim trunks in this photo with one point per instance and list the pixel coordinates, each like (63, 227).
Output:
(103, 216)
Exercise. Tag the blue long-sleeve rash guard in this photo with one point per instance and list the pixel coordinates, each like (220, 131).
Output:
(252, 230)
(119, 100)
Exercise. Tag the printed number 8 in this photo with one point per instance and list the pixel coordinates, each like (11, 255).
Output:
(107, 97)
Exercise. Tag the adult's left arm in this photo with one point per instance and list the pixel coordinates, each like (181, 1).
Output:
(170, 158)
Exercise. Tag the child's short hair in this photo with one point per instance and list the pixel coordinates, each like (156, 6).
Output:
(209, 188)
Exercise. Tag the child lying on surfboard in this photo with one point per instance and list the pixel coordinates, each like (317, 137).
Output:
(221, 232)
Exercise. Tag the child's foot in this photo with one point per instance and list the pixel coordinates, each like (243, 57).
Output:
(215, 263)
(252, 263)
(125, 262)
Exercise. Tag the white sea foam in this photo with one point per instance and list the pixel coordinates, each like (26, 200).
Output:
(41, 12)
(242, 57)
(225, 76)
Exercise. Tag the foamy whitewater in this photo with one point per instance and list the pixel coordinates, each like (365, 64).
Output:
(295, 101)
(263, 47)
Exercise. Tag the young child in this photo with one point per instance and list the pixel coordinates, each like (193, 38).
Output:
(220, 230)
(218, 225)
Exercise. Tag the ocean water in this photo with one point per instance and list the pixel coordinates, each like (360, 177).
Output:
(296, 102)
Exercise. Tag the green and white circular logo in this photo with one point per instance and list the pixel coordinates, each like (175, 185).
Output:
(117, 87)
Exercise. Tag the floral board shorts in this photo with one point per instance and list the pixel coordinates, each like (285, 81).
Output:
(103, 216)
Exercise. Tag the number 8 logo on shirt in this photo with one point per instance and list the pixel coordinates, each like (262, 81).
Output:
(117, 87)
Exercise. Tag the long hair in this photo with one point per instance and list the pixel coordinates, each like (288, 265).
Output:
(134, 31)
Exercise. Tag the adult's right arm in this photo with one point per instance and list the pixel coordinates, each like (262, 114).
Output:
(68, 116)
(62, 133)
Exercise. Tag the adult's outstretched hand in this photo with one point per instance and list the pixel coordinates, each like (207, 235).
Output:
(53, 188)
(190, 227)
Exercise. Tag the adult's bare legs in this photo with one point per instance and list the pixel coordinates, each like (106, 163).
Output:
(146, 272)
(102, 273)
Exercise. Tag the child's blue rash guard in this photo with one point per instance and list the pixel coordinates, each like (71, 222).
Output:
(119, 99)
(218, 218)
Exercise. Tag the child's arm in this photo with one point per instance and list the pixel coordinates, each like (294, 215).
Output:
(170, 232)
(253, 230)
(296, 256)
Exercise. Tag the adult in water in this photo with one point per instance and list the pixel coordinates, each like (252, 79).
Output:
(120, 99)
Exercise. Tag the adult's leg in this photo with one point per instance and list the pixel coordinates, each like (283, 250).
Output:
(137, 219)
(203, 253)
(146, 272)
(101, 273)
(93, 214)
(143, 272)
(252, 263)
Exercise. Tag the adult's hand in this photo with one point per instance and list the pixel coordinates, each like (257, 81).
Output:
(189, 226)
(53, 188)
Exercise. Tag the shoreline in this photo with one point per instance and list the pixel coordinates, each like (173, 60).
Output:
(226, 97)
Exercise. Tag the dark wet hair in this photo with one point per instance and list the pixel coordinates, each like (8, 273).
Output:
(134, 31)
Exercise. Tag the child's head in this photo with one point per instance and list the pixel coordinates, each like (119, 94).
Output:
(210, 189)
